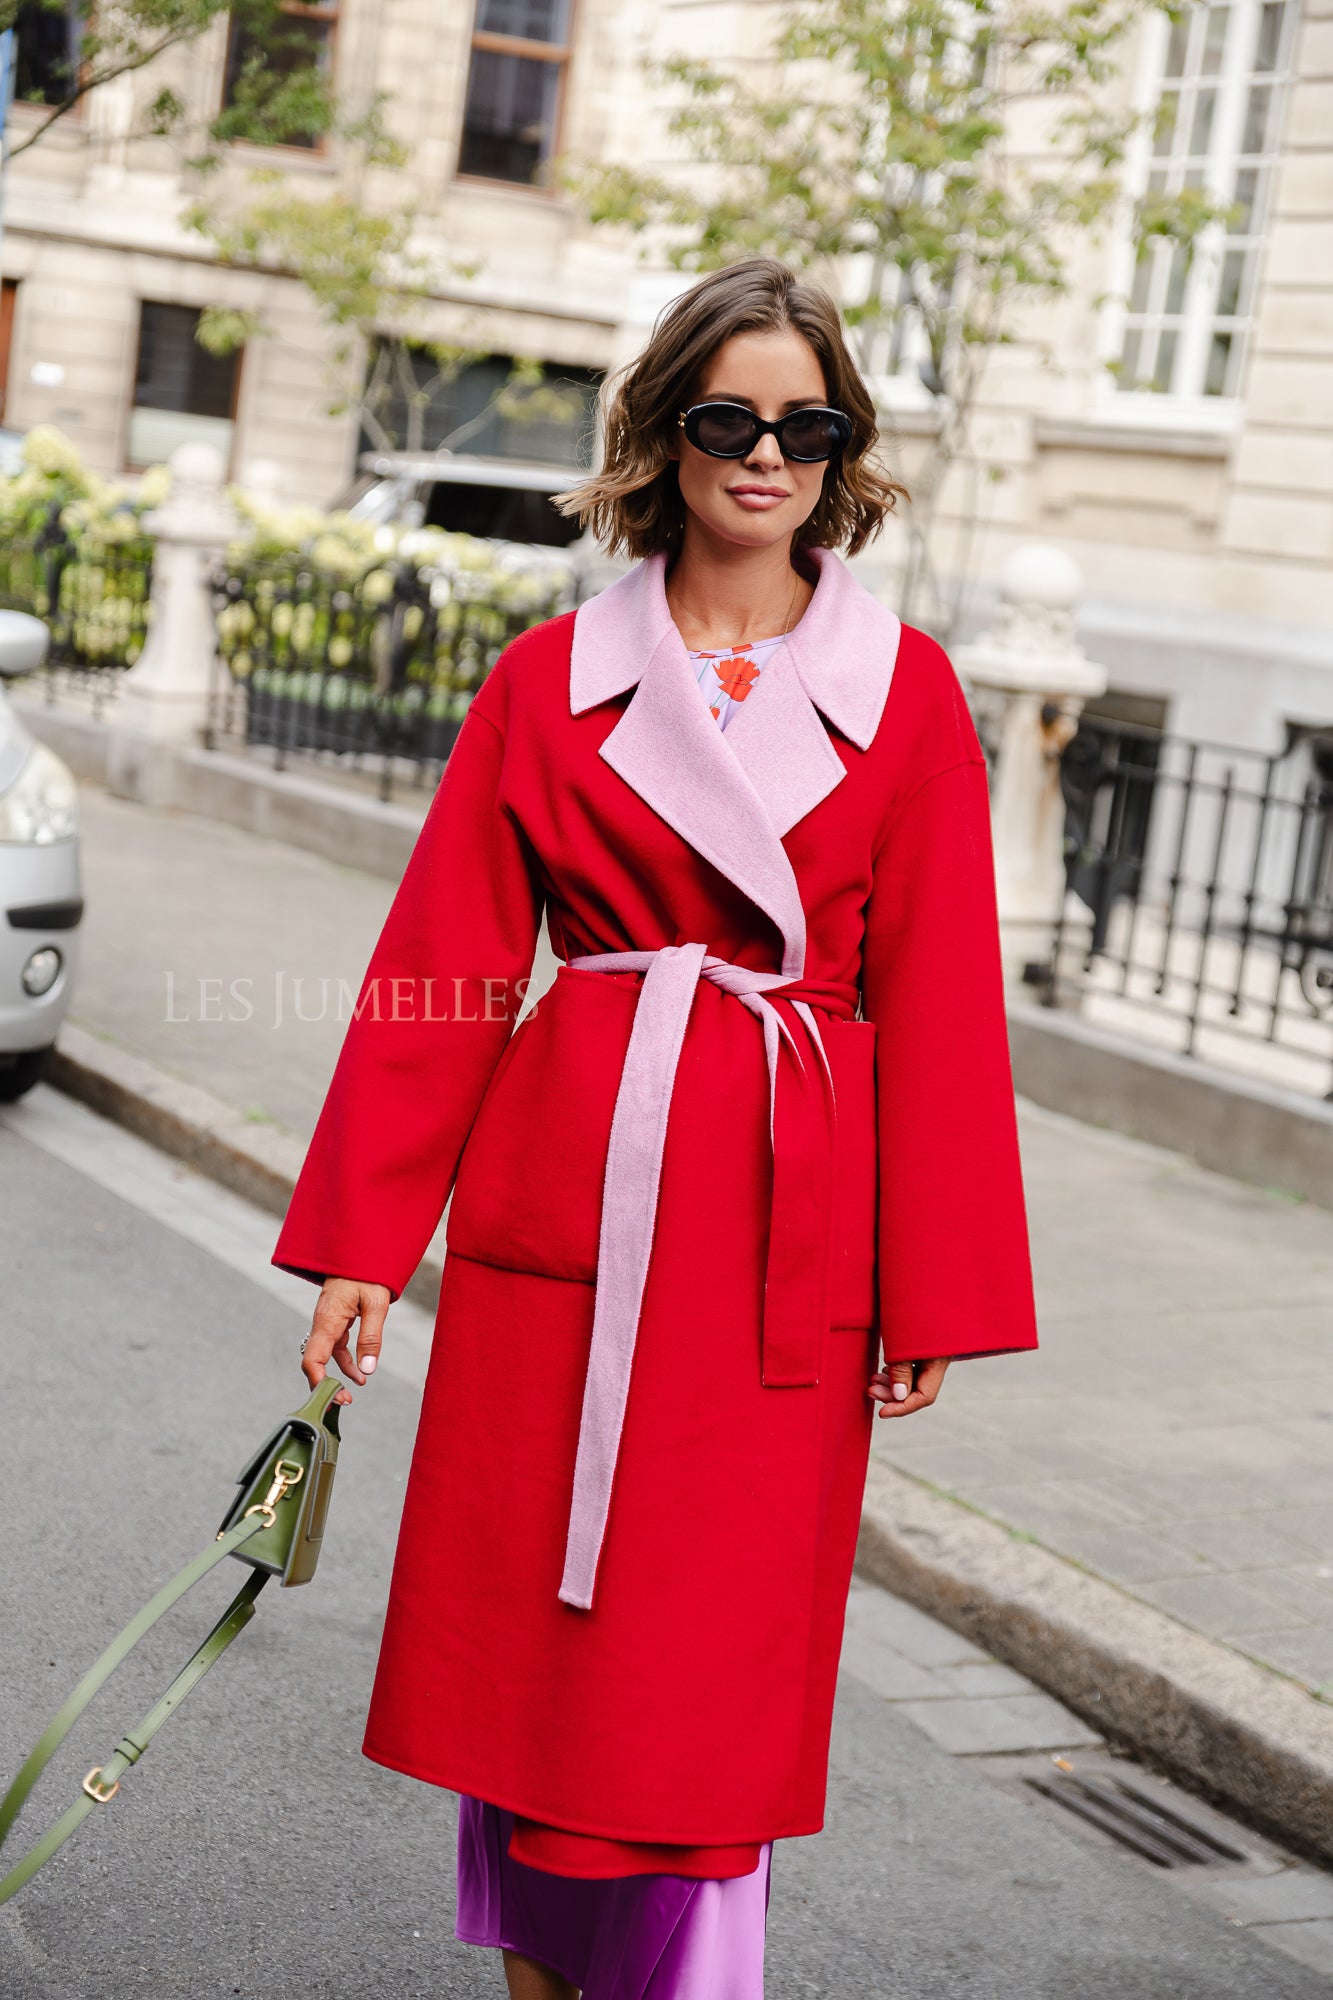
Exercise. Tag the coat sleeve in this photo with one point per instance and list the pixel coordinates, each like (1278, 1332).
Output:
(955, 1273)
(434, 1011)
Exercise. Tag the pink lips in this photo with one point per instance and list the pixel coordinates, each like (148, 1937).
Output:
(758, 498)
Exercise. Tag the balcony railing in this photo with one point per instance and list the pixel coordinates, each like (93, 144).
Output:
(378, 678)
(1200, 904)
(95, 596)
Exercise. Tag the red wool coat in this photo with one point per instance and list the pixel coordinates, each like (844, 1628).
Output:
(627, 1537)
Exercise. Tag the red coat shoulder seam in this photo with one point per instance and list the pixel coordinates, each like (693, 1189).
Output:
(959, 764)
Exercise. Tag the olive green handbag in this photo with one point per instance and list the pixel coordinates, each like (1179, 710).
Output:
(275, 1524)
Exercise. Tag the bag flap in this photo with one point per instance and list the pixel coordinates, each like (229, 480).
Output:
(309, 1438)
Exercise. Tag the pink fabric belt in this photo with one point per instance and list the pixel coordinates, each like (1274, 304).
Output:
(798, 1233)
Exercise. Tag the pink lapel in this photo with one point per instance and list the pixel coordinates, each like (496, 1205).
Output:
(733, 796)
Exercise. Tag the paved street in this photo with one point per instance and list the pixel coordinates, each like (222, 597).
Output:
(255, 1853)
(190, 923)
(1175, 1432)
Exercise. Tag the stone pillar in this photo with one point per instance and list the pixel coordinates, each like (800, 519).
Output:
(1031, 657)
(162, 704)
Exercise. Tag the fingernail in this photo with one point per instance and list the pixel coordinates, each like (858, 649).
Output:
(368, 1365)
(900, 1392)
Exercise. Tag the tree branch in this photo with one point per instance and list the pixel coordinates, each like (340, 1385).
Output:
(125, 67)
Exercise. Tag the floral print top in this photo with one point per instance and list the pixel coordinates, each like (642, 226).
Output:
(729, 677)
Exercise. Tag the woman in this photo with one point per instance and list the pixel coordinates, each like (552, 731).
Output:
(761, 1125)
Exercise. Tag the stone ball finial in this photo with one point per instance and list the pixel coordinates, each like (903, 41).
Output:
(197, 465)
(1032, 645)
(196, 507)
(1041, 574)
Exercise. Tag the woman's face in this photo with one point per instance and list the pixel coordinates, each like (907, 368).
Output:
(762, 498)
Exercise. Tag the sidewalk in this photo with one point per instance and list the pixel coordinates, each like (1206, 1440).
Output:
(1173, 1436)
(189, 922)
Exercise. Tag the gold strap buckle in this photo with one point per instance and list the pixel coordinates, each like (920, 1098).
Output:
(286, 1474)
(95, 1790)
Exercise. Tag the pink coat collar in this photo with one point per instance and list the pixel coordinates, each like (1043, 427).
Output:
(732, 797)
(844, 647)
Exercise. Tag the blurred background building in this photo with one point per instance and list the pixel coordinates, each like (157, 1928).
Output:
(1175, 436)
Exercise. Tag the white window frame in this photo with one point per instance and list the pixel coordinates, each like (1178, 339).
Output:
(1185, 398)
(893, 358)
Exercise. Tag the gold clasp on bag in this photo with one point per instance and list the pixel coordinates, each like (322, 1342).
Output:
(286, 1474)
(96, 1791)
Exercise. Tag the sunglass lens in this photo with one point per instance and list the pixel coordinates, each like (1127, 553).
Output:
(725, 428)
(814, 434)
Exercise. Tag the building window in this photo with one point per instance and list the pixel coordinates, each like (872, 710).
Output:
(520, 53)
(182, 393)
(1217, 123)
(295, 40)
(47, 43)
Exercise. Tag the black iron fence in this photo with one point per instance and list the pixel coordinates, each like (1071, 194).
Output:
(376, 672)
(95, 595)
(1201, 895)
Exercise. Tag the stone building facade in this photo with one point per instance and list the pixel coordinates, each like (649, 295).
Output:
(1194, 486)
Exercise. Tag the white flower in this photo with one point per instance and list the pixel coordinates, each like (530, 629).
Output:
(48, 450)
(332, 553)
(154, 486)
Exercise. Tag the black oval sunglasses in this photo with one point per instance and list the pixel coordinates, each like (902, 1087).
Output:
(729, 430)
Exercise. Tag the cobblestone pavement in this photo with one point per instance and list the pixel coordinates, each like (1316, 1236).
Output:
(1175, 1432)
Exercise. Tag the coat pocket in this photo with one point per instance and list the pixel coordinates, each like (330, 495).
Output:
(528, 1194)
(850, 1046)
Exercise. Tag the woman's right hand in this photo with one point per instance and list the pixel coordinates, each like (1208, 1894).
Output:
(342, 1301)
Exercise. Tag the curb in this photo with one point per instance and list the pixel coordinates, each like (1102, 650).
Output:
(259, 1162)
(337, 821)
(1234, 1124)
(1248, 1739)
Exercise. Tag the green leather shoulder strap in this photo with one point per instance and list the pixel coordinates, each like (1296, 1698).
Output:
(102, 1782)
(282, 1500)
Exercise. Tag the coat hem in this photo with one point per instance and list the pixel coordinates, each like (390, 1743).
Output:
(550, 1816)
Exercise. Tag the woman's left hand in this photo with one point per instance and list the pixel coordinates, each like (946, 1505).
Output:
(904, 1387)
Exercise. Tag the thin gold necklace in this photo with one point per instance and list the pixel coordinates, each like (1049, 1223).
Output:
(730, 646)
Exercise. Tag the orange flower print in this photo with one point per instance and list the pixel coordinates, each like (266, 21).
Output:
(736, 676)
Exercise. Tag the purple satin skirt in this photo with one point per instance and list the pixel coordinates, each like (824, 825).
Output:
(637, 1937)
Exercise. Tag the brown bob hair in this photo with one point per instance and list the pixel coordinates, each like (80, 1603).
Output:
(633, 502)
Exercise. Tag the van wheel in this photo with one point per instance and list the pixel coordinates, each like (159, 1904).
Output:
(19, 1073)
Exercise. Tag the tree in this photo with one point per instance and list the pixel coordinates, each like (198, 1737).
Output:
(279, 90)
(374, 291)
(371, 286)
(935, 160)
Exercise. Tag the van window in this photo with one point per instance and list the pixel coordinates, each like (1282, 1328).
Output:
(478, 411)
(501, 513)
